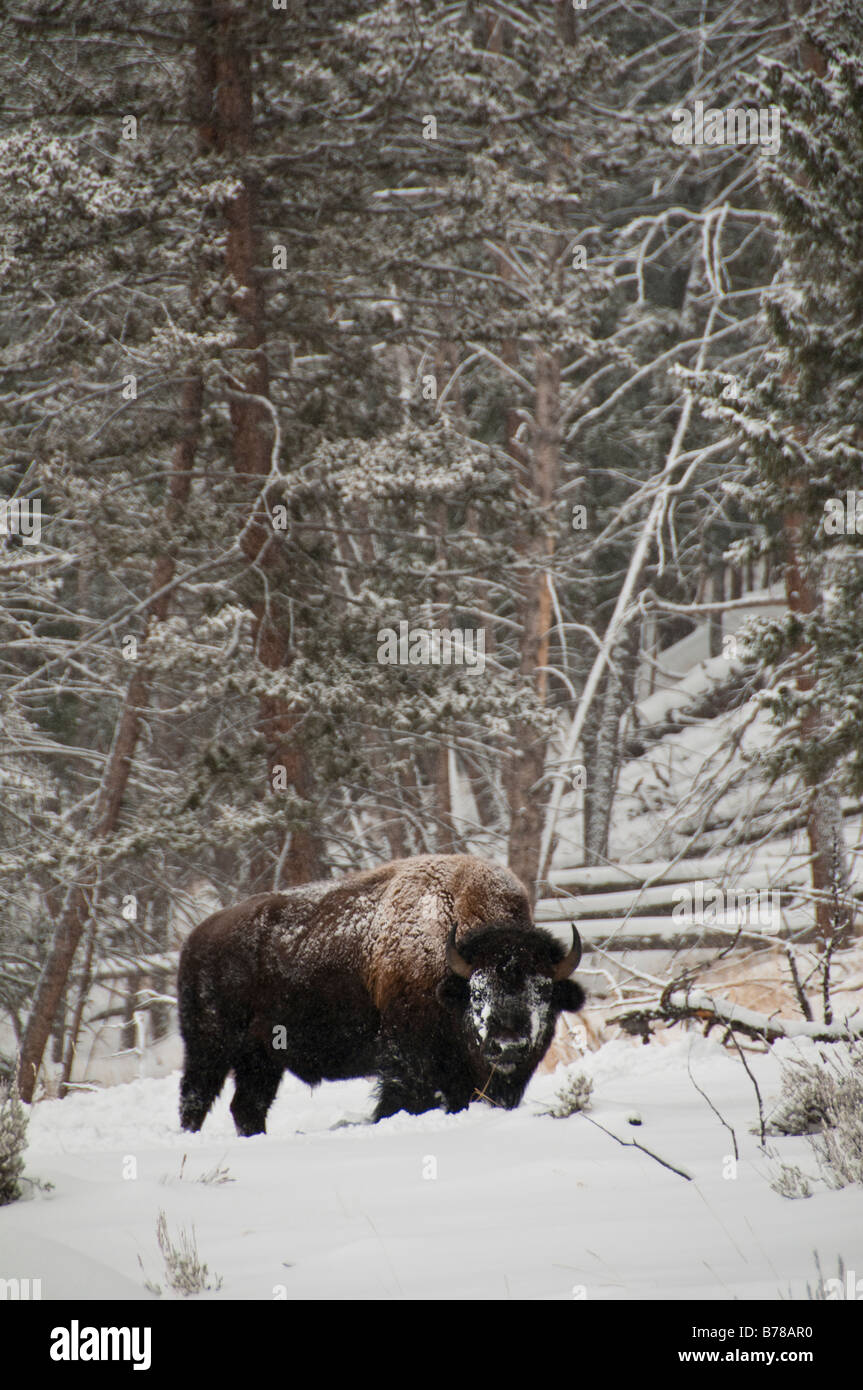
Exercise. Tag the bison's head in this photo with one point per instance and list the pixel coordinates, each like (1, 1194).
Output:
(508, 984)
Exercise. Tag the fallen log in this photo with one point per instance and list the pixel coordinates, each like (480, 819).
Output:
(678, 1003)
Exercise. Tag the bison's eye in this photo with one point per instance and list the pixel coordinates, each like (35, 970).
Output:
(482, 999)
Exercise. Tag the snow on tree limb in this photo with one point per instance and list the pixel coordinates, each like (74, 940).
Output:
(692, 1002)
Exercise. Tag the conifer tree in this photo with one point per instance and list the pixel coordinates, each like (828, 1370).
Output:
(798, 420)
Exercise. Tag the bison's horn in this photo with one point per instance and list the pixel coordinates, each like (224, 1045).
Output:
(570, 961)
(456, 962)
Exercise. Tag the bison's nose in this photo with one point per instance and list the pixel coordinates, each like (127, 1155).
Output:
(506, 1044)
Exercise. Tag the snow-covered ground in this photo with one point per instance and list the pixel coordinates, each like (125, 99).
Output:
(485, 1204)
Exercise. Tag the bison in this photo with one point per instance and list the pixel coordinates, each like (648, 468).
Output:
(427, 973)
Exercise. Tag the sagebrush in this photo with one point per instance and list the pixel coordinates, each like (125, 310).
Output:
(822, 1098)
(185, 1272)
(572, 1096)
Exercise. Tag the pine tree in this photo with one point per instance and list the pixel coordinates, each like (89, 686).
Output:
(798, 420)
(13, 1142)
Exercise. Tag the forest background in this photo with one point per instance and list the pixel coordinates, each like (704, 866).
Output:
(317, 319)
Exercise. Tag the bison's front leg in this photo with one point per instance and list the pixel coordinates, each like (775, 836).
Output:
(402, 1084)
(398, 1093)
(416, 1071)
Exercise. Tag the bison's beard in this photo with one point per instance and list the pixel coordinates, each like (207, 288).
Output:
(504, 1082)
(504, 1088)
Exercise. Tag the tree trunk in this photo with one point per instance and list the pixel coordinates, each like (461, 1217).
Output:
(224, 75)
(829, 863)
(714, 621)
(525, 766)
(80, 1005)
(79, 901)
(604, 766)
(525, 788)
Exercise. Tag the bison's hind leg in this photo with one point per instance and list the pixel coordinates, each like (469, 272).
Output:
(257, 1075)
(203, 1078)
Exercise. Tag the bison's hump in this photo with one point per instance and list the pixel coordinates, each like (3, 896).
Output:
(388, 924)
